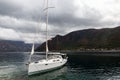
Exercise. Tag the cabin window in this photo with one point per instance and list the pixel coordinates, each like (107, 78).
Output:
(46, 64)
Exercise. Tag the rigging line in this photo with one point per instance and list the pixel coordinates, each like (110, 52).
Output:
(36, 30)
(43, 4)
(40, 19)
(47, 30)
(40, 24)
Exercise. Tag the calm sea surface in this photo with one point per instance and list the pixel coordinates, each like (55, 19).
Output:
(80, 66)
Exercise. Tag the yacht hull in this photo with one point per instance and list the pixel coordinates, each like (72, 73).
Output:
(45, 66)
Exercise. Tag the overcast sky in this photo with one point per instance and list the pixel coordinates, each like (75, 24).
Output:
(21, 19)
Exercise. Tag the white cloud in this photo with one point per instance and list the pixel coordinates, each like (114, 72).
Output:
(9, 34)
(20, 29)
(104, 7)
(17, 24)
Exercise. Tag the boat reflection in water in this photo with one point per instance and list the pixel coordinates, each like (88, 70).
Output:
(55, 74)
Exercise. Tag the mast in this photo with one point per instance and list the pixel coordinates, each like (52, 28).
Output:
(47, 30)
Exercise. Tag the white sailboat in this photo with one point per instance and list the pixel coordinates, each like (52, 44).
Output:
(50, 62)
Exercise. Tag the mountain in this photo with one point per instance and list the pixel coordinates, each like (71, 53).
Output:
(11, 46)
(106, 38)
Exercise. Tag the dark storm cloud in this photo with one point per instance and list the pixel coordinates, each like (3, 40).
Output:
(64, 11)
(22, 16)
(67, 18)
(7, 8)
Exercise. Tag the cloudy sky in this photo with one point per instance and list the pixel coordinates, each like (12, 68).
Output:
(21, 19)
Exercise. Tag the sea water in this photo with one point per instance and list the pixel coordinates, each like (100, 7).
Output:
(12, 66)
(80, 66)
